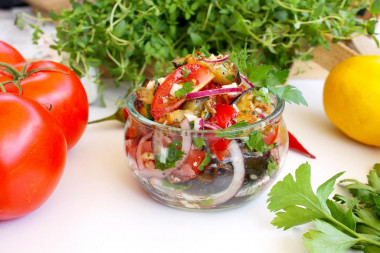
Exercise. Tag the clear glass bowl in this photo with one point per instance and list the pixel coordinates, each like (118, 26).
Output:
(234, 180)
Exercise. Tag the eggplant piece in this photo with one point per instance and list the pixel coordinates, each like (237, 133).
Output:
(217, 168)
(225, 72)
(256, 165)
(146, 92)
(246, 94)
(178, 62)
(195, 105)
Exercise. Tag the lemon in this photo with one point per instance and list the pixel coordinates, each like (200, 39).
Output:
(351, 98)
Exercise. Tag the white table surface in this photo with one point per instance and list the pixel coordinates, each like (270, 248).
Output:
(99, 207)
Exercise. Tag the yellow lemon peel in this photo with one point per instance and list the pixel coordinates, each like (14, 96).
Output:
(351, 98)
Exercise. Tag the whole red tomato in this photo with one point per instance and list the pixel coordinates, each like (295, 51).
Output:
(9, 54)
(61, 89)
(32, 155)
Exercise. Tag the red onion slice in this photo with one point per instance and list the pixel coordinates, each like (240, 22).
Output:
(199, 124)
(159, 142)
(155, 173)
(208, 124)
(186, 142)
(139, 160)
(246, 81)
(238, 177)
(224, 58)
(142, 170)
(190, 201)
(206, 93)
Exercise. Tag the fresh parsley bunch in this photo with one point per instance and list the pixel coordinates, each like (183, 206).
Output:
(127, 38)
(342, 222)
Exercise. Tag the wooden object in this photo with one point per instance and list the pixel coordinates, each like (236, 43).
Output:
(44, 6)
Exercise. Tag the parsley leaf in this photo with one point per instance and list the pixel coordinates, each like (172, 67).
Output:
(172, 156)
(341, 223)
(328, 237)
(199, 142)
(255, 141)
(262, 95)
(375, 7)
(185, 73)
(148, 113)
(186, 88)
(265, 76)
(204, 162)
(175, 186)
(225, 133)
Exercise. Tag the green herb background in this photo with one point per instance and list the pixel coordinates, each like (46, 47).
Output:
(128, 37)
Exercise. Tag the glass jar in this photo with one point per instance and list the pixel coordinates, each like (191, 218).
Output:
(239, 167)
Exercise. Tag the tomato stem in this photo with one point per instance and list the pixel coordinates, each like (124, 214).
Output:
(20, 75)
(11, 70)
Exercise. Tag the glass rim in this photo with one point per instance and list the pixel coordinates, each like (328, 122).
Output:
(130, 106)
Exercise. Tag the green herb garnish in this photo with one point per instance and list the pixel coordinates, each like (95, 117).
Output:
(186, 88)
(148, 113)
(199, 142)
(267, 77)
(230, 77)
(255, 141)
(185, 73)
(204, 162)
(225, 133)
(341, 223)
(206, 115)
(206, 202)
(263, 95)
(172, 156)
(175, 186)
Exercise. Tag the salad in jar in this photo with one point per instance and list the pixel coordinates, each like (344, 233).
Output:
(210, 134)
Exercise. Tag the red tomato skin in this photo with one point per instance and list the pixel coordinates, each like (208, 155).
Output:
(271, 137)
(218, 147)
(195, 158)
(32, 155)
(163, 103)
(224, 115)
(62, 90)
(9, 54)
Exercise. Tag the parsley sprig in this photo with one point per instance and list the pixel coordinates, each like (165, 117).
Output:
(172, 156)
(266, 77)
(228, 134)
(186, 88)
(341, 223)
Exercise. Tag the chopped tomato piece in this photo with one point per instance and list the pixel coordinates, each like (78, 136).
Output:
(189, 169)
(164, 103)
(218, 147)
(271, 136)
(224, 115)
(195, 158)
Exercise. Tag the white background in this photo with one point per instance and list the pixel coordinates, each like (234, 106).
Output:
(99, 207)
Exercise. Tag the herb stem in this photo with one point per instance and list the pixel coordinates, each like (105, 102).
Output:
(291, 8)
(350, 231)
(207, 16)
